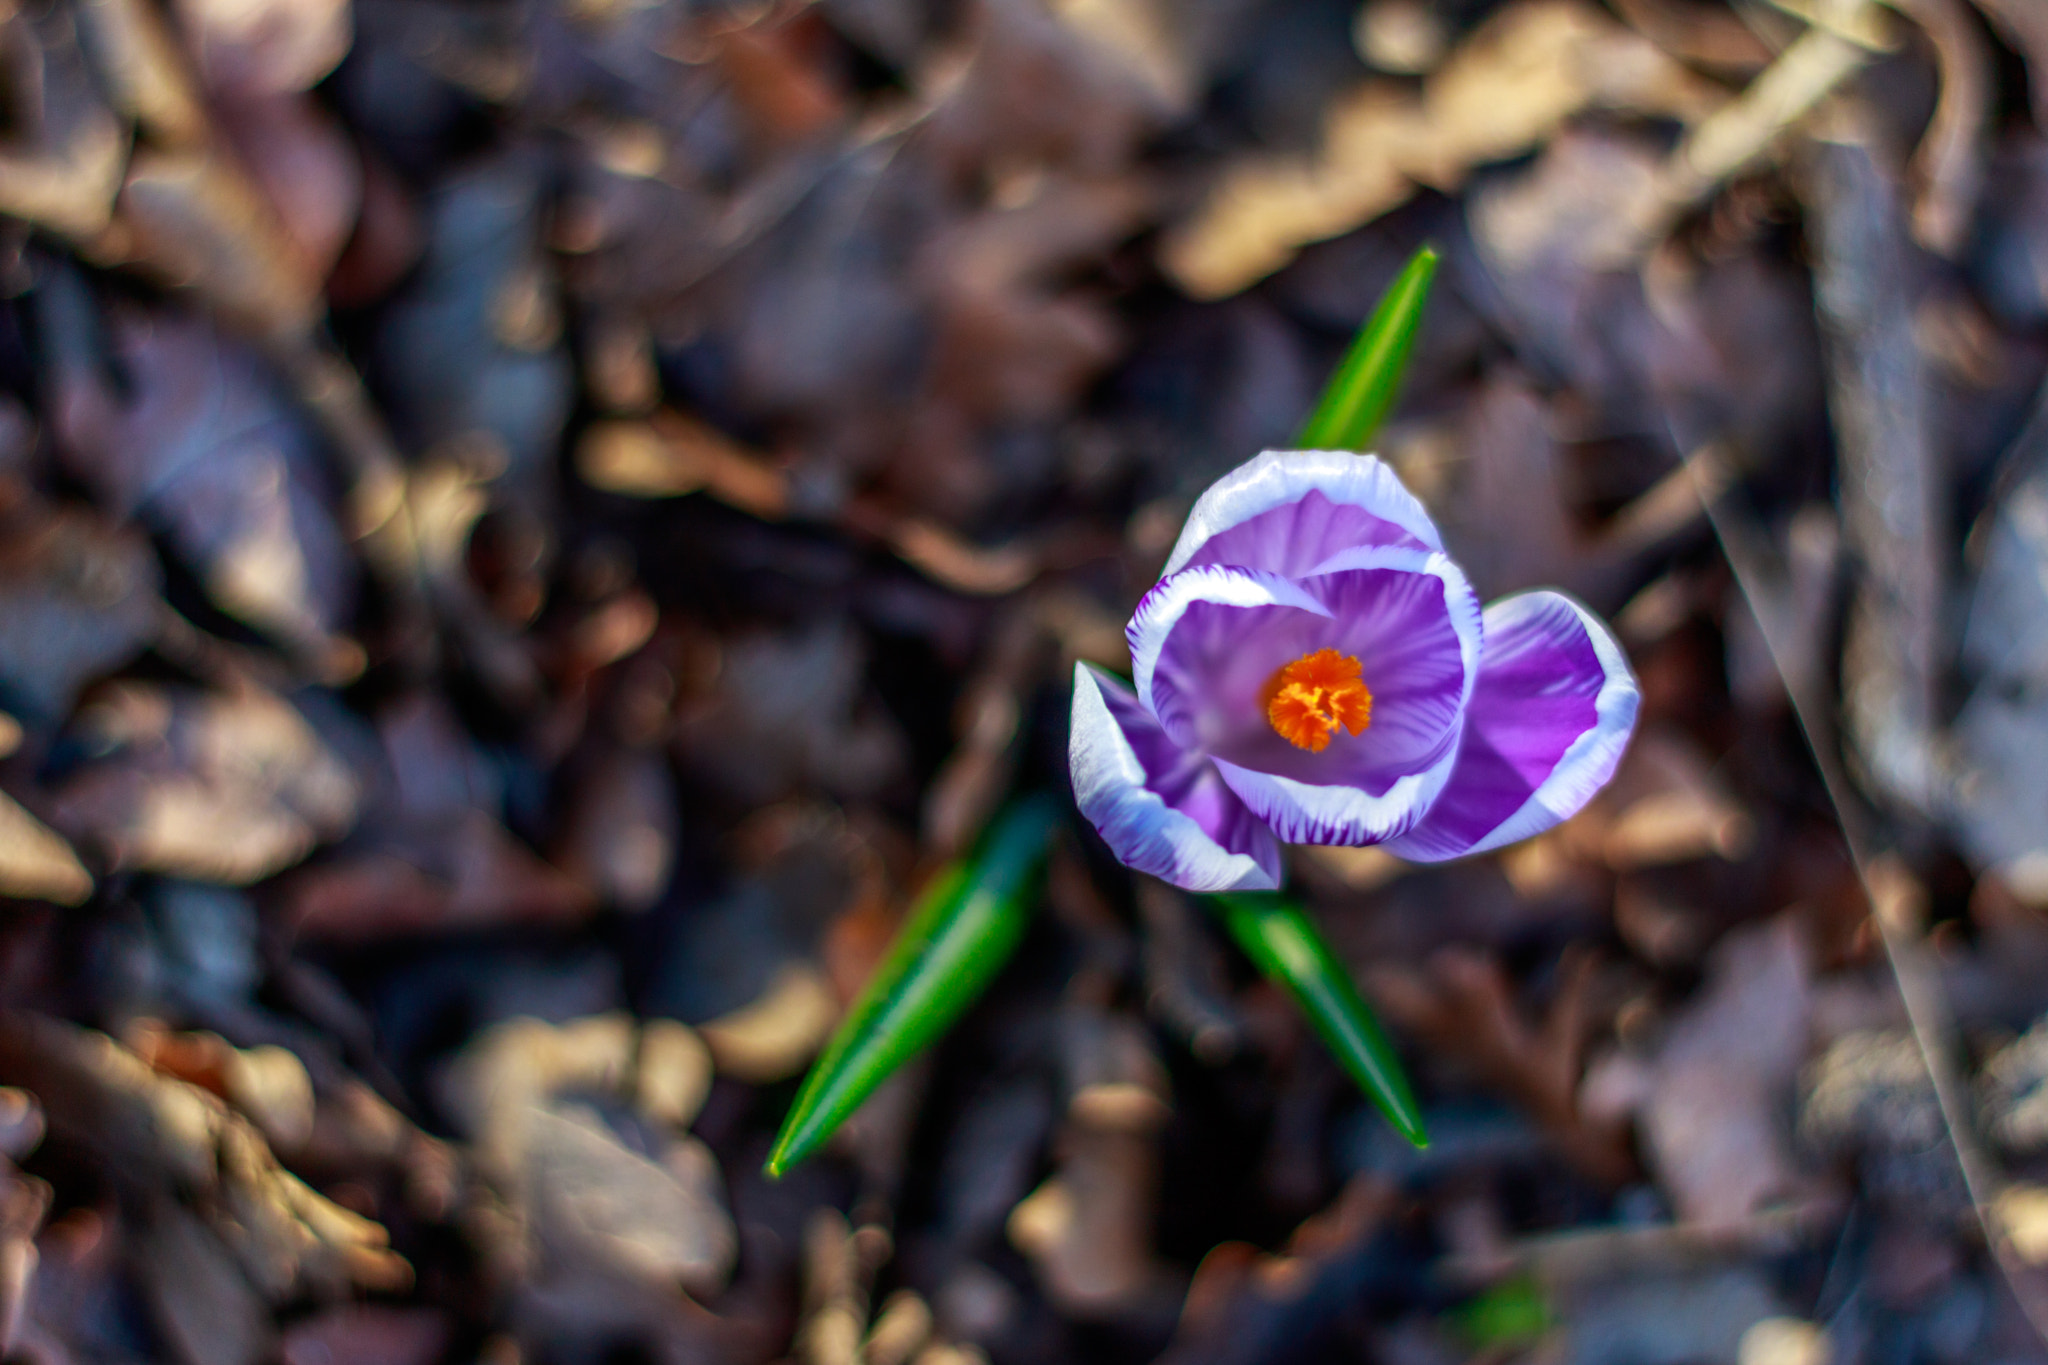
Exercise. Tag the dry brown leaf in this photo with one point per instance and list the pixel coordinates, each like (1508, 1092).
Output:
(78, 597)
(204, 1304)
(267, 1084)
(142, 71)
(1505, 89)
(775, 1037)
(190, 213)
(1088, 1229)
(1466, 1007)
(1666, 805)
(1511, 475)
(1868, 283)
(162, 1133)
(1714, 1123)
(839, 1266)
(303, 163)
(618, 835)
(1698, 34)
(265, 46)
(199, 437)
(575, 1187)
(1241, 1297)
(221, 787)
(965, 791)
(474, 874)
(35, 862)
(669, 455)
(1949, 164)
(62, 164)
(196, 220)
(24, 1201)
(789, 709)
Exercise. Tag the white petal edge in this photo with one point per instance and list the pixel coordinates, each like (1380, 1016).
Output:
(1146, 833)
(1590, 760)
(1306, 813)
(1170, 598)
(1301, 813)
(1278, 477)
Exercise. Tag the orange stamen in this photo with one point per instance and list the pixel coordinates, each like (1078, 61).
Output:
(1308, 699)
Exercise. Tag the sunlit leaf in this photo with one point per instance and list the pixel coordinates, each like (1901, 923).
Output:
(958, 936)
(1355, 401)
(1283, 943)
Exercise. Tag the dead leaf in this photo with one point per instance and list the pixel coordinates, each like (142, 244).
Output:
(1506, 88)
(469, 351)
(579, 1188)
(1712, 1124)
(266, 47)
(203, 442)
(303, 163)
(78, 597)
(224, 787)
(1466, 1006)
(35, 862)
(776, 1036)
(1666, 805)
(467, 873)
(790, 709)
(62, 165)
(1086, 1229)
(619, 834)
(203, 1303)
(160, 1134)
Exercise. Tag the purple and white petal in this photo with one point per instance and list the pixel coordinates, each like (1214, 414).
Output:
(1289, 510)
(1411, 620)
(1408, 616)
(1162, 809)
(1546, 726)
(1214, 612)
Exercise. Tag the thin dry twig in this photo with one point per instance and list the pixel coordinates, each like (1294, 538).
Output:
(1868, 290)
(1897, 899)
(1744, 129)
(1466, 1007)
(1949, 164)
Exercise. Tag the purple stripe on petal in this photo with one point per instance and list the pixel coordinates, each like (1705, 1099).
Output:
(1289, 510)
(1226, 603)
(1409, 618)
(1162, 809)
(1308, 813)
(1547, 725)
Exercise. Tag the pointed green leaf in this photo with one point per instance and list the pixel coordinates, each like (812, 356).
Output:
(1284, 944)
(958, 936)
(1357, 398)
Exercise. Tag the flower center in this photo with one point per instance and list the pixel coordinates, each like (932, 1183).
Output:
(1309, 698)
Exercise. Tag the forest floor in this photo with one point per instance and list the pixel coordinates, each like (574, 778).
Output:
(528, 528)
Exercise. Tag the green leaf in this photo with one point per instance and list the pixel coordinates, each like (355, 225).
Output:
(1284, 944)
(1511, 1315)
(1274, 933)
(958, 936)
(1357, 397)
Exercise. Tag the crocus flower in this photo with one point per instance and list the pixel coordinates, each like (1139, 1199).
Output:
(1313, 669)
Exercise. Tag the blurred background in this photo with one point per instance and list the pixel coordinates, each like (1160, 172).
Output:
(528, 528)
